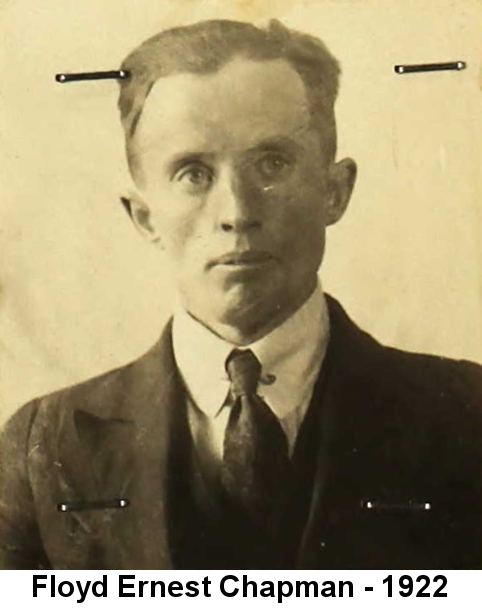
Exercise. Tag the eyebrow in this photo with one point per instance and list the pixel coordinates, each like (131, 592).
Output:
(185, 157)
(275, 143)
(181, 159)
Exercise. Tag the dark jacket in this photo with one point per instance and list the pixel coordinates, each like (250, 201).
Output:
(398, 477)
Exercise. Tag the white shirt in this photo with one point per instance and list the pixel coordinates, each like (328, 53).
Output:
(292, 353)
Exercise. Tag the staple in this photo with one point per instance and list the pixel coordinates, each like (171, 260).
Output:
(110, 74)
(94, 505)
(407, 506)
(430, 67)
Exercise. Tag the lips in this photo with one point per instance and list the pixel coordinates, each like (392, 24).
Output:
(243, 258)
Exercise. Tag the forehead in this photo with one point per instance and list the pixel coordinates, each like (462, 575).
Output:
(244, 102)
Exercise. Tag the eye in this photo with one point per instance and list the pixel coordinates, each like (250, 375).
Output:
(194, 177)
(274, 165)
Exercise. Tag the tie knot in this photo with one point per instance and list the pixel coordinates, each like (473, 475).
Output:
(244, 372)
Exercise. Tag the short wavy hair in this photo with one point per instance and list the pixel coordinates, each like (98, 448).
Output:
(206, 46)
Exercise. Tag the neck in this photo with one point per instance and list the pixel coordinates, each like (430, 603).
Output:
(248, 328)
(245, 334)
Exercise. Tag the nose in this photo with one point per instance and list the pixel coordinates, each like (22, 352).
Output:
(239, 204)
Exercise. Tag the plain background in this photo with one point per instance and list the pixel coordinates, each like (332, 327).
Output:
(81, 292)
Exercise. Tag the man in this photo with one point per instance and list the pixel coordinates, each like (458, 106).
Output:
(264, 430)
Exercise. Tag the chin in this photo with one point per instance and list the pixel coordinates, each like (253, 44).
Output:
(244, 305)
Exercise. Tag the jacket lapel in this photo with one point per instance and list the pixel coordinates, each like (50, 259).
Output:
(123, 451)
(361, 461)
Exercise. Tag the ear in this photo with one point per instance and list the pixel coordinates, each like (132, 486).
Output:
(140, 215)
(341, 181)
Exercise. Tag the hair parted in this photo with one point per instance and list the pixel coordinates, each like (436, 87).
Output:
(206, 46)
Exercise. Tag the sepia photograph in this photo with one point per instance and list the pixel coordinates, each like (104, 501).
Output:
(240, 285)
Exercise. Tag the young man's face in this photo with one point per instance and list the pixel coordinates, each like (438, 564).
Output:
(234, 185)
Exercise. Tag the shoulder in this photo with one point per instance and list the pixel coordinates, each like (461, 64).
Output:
(437, 391)
(108, 395)
(446, 380)
(425, 386)
(50, 409)
(457, 376)
(417, 416)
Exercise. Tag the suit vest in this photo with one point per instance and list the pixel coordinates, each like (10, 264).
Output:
(208, 531)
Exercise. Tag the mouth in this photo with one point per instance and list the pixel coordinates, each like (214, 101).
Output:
(243, 259)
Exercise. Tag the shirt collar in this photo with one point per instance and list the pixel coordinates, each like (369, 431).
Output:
(292, 353)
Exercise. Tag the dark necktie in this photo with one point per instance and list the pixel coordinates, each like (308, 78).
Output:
(255, 463)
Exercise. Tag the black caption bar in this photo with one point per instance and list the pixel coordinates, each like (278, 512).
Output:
(116, 74)
(430, 67)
